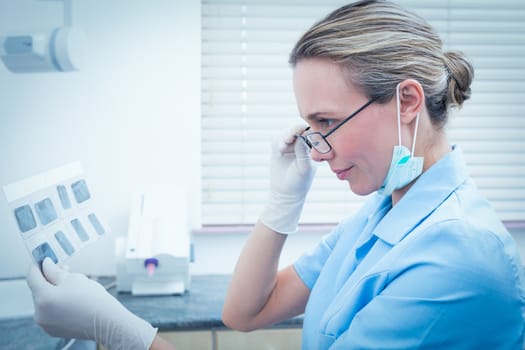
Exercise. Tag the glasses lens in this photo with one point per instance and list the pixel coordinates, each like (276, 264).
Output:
(318, 142)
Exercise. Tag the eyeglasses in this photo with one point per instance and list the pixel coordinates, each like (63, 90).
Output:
(318, 141)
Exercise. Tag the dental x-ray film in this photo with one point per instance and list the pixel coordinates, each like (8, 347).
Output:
(54, 213)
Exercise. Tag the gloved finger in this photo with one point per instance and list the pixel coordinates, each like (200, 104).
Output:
(52, 272)
(35, 280)
(291, 134)
(289, 138)
(302, 151)
(305, 163)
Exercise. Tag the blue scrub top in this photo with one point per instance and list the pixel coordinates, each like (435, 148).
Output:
(436, 271)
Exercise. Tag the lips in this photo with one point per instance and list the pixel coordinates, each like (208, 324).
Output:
(343, 173)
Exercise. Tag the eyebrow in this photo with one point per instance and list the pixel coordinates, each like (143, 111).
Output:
(318, 115)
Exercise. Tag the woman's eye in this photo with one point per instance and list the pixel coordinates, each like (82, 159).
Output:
(326, 123)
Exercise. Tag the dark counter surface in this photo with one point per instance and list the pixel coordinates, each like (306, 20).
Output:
(198, 309)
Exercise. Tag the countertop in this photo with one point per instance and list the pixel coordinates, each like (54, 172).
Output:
(198, 309)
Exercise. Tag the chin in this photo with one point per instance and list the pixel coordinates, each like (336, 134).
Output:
(360, 191)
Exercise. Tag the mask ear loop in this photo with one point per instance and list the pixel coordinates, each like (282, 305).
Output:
(399, 123)
(415, 135)
(398, 115)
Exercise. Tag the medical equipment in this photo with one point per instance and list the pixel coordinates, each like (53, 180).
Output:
(46, 51)
(49, 50)
(155, 256)
(54, 213)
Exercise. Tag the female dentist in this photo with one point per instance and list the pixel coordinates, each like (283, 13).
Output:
(424, 264)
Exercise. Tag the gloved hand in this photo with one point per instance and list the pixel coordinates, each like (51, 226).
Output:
(292, 173)
(72, 306)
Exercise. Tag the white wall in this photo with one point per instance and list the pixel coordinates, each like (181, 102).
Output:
(131, 115)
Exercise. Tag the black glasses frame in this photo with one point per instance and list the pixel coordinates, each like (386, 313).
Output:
(308, 137)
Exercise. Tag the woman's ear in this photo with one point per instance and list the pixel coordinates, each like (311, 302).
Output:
(411, 99)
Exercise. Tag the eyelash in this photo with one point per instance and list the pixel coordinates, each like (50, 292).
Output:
(326, 123)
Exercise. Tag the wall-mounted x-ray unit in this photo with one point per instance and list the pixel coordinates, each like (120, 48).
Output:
(50, 50)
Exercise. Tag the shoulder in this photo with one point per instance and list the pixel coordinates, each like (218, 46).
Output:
(467, 274)
(464, 255)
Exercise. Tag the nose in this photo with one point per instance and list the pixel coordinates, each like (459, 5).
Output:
(319, 157)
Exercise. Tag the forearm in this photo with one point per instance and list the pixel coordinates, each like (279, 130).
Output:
(254, 278)
(259, 295)
(160, 344)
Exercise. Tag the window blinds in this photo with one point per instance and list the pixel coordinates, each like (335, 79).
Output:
(247, 101)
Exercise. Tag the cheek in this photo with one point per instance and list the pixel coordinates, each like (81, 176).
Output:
(383, 164)
(371, 154)
(348, 147)
(380, 144)
(378, 161)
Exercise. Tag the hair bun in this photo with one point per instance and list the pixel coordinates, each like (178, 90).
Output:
(460, 76)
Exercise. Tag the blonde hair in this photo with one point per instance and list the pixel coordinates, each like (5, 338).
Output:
(379, 44)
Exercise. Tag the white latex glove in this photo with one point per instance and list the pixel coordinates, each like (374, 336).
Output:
(72, 306)
(292, 173)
